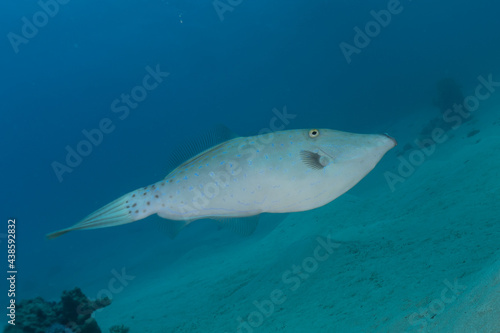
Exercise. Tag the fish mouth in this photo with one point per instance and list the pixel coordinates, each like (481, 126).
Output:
(392, 139)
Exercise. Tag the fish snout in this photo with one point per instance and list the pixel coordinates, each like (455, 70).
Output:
(394, 142)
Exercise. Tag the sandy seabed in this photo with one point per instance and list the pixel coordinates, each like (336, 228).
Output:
(422, 258)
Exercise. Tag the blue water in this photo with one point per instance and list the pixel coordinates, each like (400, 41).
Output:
(233, 68)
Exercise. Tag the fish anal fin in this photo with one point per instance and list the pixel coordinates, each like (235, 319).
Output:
(172, 227)
(243, 226)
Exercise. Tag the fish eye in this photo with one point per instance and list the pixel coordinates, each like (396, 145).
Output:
(313, 133)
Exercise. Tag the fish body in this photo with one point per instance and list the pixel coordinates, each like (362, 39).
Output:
(286, 171)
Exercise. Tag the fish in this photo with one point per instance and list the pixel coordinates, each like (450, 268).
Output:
(277, 172)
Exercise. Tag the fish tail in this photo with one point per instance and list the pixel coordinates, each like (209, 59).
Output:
(115, 213)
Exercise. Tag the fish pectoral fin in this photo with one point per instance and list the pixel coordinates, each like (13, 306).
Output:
(313, 160)
(243, 226)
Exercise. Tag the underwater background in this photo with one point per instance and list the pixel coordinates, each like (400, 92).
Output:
(416, 243)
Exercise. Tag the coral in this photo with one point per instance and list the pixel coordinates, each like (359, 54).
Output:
(71, 314)
(58, 328)
(34, 315)
(76, 307)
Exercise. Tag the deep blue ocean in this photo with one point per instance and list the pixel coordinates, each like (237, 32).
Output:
(96, 96)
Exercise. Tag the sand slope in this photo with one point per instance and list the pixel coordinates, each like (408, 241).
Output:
(424, 258)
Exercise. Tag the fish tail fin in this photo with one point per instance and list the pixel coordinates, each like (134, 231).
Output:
(115, 213)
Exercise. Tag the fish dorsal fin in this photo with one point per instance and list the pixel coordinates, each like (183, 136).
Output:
(243, 226)
(194, 146)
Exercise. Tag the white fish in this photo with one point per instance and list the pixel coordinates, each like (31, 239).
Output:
(287, 171)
